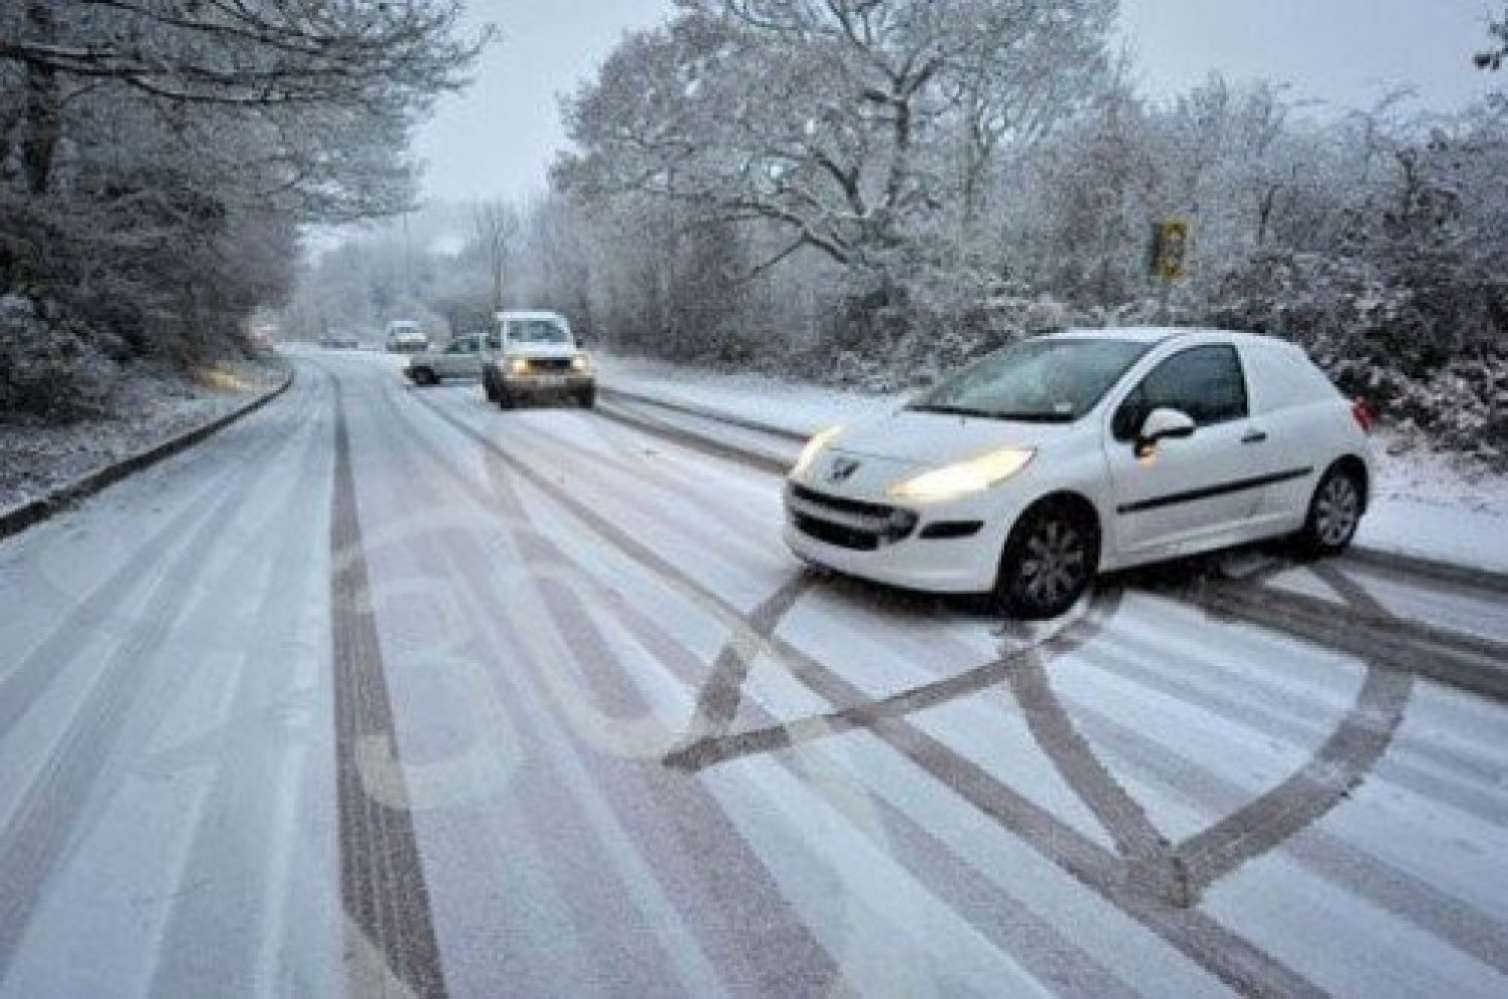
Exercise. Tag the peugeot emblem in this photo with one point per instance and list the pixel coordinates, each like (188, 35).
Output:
(842, 470)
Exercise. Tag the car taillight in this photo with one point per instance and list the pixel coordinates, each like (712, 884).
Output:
(1364, 415)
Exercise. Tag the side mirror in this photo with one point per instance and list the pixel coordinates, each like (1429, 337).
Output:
(1162, 424)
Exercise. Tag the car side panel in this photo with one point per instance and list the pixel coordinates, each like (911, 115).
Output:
(1308, 423)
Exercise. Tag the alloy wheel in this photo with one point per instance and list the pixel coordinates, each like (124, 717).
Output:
(1336, 511)
(1054, 563)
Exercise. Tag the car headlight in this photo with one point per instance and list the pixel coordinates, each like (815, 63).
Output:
(581, 363)
(518, 366)
(964, 478)
(813, 448)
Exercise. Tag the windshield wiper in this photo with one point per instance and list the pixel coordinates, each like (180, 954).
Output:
(995, 414)
(1025, 417)
(953, 411)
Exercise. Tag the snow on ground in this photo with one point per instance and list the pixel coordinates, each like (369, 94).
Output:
(148, 406)
(795, 406)
(1426, 505)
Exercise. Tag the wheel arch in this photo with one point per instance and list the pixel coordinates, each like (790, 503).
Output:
(1081, 506)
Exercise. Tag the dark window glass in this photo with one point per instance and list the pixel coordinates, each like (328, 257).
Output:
(1205, 382)
(536, 331)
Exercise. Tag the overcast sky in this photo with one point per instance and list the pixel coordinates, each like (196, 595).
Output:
(498, 139)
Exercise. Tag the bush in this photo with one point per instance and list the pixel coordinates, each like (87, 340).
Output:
(50, 367)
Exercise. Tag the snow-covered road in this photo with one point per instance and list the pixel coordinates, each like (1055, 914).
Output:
(385, 691)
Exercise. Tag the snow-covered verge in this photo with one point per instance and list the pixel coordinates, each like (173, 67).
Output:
(1425, 504)
(145, 405)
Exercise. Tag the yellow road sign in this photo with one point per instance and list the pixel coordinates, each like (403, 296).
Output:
(1170, 248)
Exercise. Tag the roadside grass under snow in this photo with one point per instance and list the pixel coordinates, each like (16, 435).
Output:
(147, 405)
(1426, 504)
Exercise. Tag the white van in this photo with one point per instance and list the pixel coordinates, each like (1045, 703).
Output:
(404, 336)
(535, 354)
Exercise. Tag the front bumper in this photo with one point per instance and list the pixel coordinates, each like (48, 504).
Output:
(943, 548)
(542, 383)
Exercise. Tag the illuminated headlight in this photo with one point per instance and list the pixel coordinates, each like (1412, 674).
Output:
(813, 449)
(953, 481)
(518, 366)
(581, 364)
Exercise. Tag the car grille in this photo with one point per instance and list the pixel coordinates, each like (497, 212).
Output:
(549, 364)
(847, 523)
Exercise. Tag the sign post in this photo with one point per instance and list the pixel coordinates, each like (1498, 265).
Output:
(1169, 257)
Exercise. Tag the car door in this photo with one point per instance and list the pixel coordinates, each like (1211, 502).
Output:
(1180, 494)
(446, 360)
(460, 358)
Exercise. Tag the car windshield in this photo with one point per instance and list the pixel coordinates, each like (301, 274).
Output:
(537, 331)
(1046, 380)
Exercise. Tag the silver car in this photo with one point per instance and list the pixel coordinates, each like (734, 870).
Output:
(461, 358)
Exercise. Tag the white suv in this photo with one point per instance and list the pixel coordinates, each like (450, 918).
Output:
(532, 354)
(1063, 455)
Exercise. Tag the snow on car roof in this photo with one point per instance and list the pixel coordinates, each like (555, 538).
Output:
(525, 314)
(1158, 334)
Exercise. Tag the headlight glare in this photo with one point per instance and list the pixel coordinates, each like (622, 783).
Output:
(581, 363)
(518, 366)
(964, 478)
(813, 448)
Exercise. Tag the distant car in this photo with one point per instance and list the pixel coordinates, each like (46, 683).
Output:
(406, 337)
(461, 358)
(1074, 453)
(340, 342)
(533, 355)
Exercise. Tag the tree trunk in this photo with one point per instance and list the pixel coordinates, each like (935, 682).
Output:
(44, 119)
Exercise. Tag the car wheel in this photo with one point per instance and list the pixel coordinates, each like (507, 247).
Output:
(1334, 512)
(587, 398)
(424, 376)
(1048, 562)
(505, 398)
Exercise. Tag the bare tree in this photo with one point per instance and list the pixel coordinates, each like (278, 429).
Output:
(815, 117)
(494, 229)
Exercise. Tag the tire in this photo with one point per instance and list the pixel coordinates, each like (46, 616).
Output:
(1334, 512)
(424, 376)
(1049, 561)
(587, 397)
(505, 398)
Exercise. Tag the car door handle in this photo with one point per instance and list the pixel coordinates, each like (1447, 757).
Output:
(1254, 437)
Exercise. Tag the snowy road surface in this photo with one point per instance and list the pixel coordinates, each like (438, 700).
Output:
(383, 691)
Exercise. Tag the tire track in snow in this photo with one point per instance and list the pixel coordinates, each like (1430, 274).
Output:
(1341, 763)
(1220, 951)
(46, 821)
(383, 888)
(688, 837)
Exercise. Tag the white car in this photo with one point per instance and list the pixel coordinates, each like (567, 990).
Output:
(405, 336)
(534, 354)
(1085, 451)
(461, 358)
